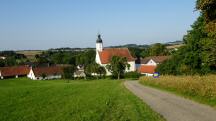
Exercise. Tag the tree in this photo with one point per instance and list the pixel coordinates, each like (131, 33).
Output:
(117, 66)
(158, 49)
(96, 70)
(208, 9)
(101, 71)
(198, 56)
(2, 63)
(43, 75)
(68, 72)
(10, 61)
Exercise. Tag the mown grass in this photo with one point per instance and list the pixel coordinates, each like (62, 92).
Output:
(101, 100)
(199, 88)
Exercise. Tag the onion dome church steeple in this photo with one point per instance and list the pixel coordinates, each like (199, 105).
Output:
(99, 40)
(99, 44)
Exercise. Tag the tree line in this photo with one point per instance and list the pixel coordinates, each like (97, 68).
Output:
(198, 56)
(12, 58)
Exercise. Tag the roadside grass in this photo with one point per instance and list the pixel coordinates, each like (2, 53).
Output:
(198, 88)
(97, 100)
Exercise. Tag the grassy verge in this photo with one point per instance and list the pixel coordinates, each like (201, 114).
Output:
(200, 89)
(97, 100)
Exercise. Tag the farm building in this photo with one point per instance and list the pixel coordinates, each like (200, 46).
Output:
(16, 71)
(2, 57)
(149, 64)
(104, 55)
(80, 72)
(39, 73)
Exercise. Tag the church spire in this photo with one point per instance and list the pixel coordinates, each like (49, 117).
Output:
(99, 43)
(99, 40)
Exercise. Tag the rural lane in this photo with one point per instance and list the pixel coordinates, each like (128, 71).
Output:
(170, 106)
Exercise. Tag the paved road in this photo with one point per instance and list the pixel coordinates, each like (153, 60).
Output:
(171, 107)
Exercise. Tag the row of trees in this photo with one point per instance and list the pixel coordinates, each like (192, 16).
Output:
(67, 57)
(198, 56)
(153, 50)
(12, 58)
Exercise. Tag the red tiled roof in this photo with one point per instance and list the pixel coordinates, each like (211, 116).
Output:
(147, 69)
(54, 70)
(157, 59)
(13, 71)
(107, 54)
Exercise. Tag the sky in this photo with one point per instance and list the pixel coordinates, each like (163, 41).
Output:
(44, 24)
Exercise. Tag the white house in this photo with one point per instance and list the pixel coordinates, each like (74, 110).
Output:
(104, 55)
(80, 72)
(2, 57)
(149, 64)
(40, 73)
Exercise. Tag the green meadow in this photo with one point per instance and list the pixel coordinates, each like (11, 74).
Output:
(55, 100)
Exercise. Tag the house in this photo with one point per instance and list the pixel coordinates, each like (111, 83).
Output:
(149, 64)
(2, 57)
(16, 71)
(80, 72)
(39, 73)
(104, 55)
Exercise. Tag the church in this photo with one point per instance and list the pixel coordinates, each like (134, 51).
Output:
(104, 55)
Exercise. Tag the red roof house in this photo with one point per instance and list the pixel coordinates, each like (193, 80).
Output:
(53, 72)
(107, 54)
(147, 69)
(15, 71)
(156, 59)
(149, 64)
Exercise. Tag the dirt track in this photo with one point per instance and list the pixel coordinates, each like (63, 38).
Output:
(170, 106)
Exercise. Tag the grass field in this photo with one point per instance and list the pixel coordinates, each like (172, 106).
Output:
(199, 88)
(102, 100)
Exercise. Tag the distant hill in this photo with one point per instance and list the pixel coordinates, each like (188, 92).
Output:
(31, 53)
(130, 46)
(174, 43)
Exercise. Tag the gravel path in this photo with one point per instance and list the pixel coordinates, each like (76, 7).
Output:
(170, 106)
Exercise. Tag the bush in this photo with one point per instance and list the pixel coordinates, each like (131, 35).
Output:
(132, 75)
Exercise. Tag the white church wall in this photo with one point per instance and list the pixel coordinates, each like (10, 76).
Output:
(97, 58)
(132, 66)
(131, 69)
(99, 46)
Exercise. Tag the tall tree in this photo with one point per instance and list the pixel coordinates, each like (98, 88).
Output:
(199, 53)
(208, 10)
(117, 66)
(101, 71)
(68, 72)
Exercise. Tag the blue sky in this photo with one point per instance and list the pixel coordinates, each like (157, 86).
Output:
(44, 24)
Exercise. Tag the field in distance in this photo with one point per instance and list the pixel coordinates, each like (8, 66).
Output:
(30, 54)
(98, 100)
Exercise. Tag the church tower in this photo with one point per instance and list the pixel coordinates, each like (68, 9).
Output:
(99, 44)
